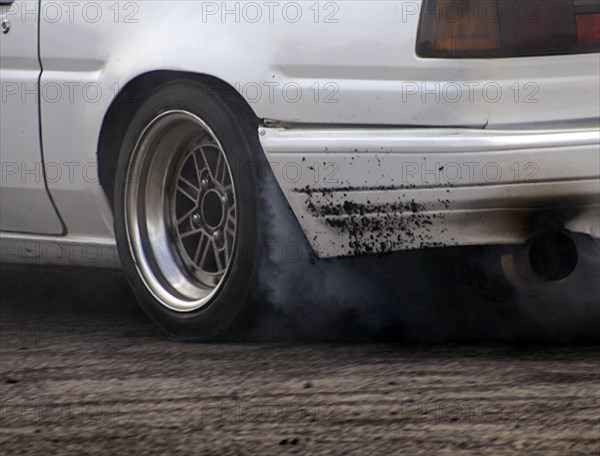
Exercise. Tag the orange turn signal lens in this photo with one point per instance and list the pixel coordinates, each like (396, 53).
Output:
(454, 27)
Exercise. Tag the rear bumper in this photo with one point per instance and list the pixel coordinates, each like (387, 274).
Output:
(362, 191)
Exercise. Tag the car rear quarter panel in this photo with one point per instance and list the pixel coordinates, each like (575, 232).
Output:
(357, 66)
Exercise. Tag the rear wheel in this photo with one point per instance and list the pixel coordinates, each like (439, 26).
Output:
(185, 216)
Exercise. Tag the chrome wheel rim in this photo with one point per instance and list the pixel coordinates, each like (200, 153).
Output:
(180, 209)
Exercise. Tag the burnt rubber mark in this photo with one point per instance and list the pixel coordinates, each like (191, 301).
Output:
(379, 228)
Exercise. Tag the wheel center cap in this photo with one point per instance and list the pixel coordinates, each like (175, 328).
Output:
(212, 209)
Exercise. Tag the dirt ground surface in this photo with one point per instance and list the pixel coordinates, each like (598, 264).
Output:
(89, 374)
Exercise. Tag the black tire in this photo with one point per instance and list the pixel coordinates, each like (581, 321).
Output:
(226, 310)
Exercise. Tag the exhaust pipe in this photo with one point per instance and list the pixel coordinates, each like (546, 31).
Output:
(553, 256)
(543, 263)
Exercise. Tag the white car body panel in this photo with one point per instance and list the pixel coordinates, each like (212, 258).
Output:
(25, 205)
(61, 251)
(358, 72)
(376, 191)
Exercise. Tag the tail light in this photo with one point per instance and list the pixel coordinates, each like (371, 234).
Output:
(508, 28)
(588, 27)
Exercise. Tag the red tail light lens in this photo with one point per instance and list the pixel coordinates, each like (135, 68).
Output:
(588, 27)
(508, 28)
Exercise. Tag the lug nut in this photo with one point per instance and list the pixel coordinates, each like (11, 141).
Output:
(217, 236)
(205, 183)
(196, 219)
(225, 200)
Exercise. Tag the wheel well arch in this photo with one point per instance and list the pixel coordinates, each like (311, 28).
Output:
(132, 95)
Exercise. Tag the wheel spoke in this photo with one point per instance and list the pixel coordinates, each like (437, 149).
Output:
(230, 224)
(226, 248)
(206, 162)
(230, 231)
(229, 239)
(186, 216)
(196, 167)
(220, 169)
(217, 256)
(200, 250)
(189, 233)
(186, 187)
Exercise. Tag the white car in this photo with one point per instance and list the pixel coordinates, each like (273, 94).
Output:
(138, 134)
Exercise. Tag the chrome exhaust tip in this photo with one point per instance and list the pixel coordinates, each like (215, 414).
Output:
(542, 264)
